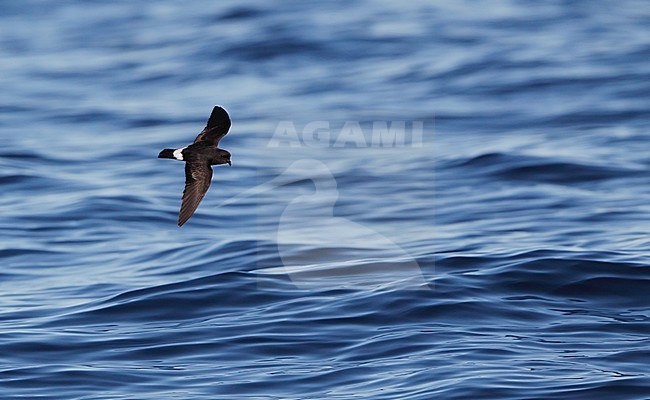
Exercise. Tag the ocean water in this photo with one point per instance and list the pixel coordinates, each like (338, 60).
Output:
(428, 200)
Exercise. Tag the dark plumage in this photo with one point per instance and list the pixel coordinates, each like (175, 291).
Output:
(199, 157)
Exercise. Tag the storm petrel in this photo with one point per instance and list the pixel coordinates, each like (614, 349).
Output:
(198, 157)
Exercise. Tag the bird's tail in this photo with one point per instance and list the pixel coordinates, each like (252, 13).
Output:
(167, 153)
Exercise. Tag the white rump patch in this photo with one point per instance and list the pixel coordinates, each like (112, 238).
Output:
(178, 154)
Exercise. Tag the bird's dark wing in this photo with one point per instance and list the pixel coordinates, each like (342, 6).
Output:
(197, 182)
(217, 127)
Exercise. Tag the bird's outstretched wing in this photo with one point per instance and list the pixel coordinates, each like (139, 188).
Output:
(217, 127)
(197, 181)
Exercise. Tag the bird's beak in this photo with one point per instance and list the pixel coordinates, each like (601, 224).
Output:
(229, 163)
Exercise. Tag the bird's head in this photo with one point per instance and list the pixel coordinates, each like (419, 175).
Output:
(223, 157)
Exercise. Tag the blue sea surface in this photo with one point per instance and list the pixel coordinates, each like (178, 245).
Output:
(428, 200)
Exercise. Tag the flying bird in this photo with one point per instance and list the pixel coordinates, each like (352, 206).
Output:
(199, 157)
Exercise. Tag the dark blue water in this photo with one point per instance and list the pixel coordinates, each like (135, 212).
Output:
(499, 252)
